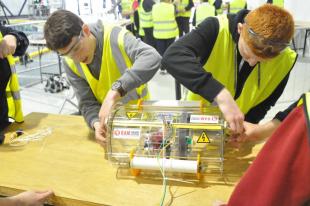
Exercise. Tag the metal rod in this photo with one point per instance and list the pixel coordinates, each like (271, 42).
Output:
(35, 68)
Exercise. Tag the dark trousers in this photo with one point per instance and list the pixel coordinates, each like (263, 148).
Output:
(149, 37)
(131, 27)
(5, 73)
(183, 25)
(163, 44)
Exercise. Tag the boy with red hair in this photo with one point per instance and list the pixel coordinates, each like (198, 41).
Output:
(240, 61)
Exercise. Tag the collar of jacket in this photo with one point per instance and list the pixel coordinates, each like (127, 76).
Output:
(234, 19)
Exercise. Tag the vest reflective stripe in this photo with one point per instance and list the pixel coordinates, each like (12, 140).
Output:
(181, 6)
(127, 7)
(13, 92)
(279, 3)
(15, 95)
(142, 91)
(272, 71)
(165, 26)
(203, 11)
(146, 20)
(236, 5)
(113, 64)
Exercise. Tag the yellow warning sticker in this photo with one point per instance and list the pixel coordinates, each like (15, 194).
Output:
(203, 138)
(130, 114)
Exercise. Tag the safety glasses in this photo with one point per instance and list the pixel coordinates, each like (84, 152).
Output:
(75, 47)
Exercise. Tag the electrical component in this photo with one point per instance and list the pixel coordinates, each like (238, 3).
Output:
(175, 136)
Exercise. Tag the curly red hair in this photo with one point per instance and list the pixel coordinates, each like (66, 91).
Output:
(274, 27)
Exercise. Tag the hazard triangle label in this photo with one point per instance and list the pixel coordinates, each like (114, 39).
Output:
(130, 114)
(203, 138)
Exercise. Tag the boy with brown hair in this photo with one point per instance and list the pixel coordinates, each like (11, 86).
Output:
(105, 64)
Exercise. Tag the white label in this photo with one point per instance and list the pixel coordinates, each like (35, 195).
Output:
(204, 119)
(165, 116)
(126, 133)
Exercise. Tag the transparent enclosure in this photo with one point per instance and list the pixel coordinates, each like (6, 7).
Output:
(167, 136)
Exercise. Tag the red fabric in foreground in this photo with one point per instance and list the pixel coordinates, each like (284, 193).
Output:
(280, 174)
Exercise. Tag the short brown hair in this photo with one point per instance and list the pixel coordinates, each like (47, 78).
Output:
(274, 26)
(60, 27)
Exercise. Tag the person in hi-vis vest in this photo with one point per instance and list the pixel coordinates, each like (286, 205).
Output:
(127, 12)
(258, 132)
(202, 11)
(241, 62)
(12, 42)
(104, 63)
(236, 5)
(184, 8)
(146, 21)
(282, 165)
(165, 27)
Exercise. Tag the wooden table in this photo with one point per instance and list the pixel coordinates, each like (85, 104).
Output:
(71, 163)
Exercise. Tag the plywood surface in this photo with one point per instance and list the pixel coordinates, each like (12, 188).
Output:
(71, 163)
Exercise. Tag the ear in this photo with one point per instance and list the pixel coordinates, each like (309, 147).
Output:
(239, 27)
(86, 29)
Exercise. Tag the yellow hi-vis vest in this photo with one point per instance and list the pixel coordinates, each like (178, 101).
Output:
(279, 3)
(113, 64)
(221, 64)
(146, 20)
(305, 101)
(236, 5)
(13, 92)
(211, 2)
(141, 30)
(203, 11)
(180, 6)
(165, 25)
(127, 7)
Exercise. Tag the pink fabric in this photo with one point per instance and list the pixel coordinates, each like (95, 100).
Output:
(135, 4)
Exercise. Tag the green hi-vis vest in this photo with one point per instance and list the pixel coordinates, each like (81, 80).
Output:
(165, 25)
(221, 64)
(146, 20)
(236, 5)
(141, 30)
(180, 6)
(203, 11)
(211, 2)
(279, 3)
(113, 64)
(127, 7)
(13, 92)
(305, 100)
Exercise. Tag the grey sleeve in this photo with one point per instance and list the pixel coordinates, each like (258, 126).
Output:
(88, 104)
(146, 61)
